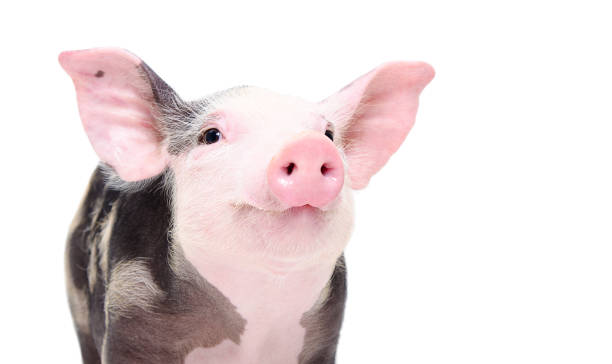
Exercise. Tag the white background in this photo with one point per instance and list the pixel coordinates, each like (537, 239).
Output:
(486, 239)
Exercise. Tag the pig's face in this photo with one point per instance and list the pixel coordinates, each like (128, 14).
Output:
(265, 182)
(257, 178)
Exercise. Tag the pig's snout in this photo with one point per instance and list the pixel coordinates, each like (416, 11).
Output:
(307, 171)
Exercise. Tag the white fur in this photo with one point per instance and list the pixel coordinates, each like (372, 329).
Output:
(131, 285)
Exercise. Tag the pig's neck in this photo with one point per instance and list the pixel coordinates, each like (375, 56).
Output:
(272, 301)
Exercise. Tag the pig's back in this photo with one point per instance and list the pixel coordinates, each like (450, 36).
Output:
(125, 282)
(112, 226)
(84, 275)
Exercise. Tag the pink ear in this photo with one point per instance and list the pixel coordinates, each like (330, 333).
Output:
(375, 113)
(116, 105)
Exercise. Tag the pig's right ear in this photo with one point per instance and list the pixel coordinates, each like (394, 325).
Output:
(117, 95)
(374, 114)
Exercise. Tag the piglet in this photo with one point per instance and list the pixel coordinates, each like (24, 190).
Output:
(213, 230)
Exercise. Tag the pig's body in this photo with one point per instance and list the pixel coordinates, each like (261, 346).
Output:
(137, 300)
(214, 230)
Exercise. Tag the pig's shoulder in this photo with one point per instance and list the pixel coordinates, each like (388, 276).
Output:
(324, 320)
(151, 290)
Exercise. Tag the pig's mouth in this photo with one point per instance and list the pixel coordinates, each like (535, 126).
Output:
(305, 209)
(299, 210)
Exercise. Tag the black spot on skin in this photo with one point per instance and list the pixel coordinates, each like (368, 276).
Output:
(323, 323)
(190, 313)
(92, 212)
(141, 230)
(89, 352)
(96, 207)
(99, 74)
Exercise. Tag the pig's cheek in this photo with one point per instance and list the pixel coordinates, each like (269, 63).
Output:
(199, 154)
(257, 193)
(206, 166)
(200, 208)
(253, 187)
(341, 224)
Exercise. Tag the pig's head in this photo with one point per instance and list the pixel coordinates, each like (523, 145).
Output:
(256, 178)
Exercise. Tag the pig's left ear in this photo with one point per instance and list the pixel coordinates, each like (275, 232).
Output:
(374, 114)
(118, 95)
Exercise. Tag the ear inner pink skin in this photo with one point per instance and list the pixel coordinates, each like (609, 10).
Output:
(115, 103)
(307, 171)
(377, 112)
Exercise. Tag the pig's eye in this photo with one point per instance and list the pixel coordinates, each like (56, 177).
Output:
(329, 134)
(210, 136)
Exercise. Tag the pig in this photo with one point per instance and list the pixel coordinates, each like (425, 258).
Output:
(213, 231)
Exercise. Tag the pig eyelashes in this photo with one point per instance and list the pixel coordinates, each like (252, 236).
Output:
(210, 136)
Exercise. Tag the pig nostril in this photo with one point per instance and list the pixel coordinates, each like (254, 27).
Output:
(290, 168)
(306, 171)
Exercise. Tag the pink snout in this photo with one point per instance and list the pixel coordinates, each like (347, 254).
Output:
(307, 171)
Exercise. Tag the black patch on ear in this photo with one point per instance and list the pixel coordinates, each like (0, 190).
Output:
(170, 107)
(163, 94)
(99, 74)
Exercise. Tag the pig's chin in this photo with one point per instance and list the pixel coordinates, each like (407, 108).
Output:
(299, 236)
(291, 224)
